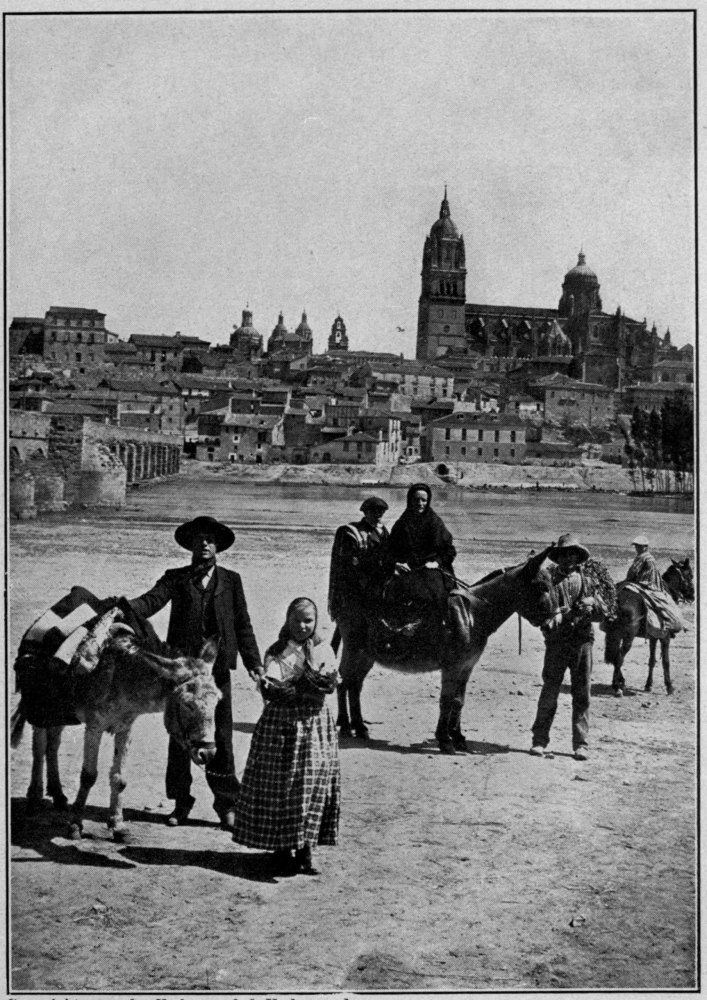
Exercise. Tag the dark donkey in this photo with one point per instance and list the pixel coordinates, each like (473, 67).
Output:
(409, 638)
(631, 623)
(128, 680)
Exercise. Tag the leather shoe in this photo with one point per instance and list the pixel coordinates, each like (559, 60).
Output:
(181, 811)
(303, 861)
(228, 819)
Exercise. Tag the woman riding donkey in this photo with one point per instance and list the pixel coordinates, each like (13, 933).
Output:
(421, 543)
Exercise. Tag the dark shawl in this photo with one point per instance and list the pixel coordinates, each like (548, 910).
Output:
(420, 538)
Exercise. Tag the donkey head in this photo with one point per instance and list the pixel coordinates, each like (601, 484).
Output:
(681, 572)
(536, 593)
(190, 709)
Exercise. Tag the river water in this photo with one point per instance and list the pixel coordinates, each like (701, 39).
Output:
(602, 520)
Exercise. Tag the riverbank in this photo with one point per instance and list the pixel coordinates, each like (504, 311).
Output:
(595, 477)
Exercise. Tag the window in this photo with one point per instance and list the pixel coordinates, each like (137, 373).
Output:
(513, 453)
(447, 433)
(464, 434)
(497, 436)
(479, 452)
(78, 356)
(513, 437)
(495, 452)
(463, 450)
(446, 450)
(481, 437)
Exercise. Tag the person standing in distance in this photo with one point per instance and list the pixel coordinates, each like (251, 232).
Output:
(207, 601)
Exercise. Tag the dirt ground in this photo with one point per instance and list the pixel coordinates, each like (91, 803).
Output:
(491, 870)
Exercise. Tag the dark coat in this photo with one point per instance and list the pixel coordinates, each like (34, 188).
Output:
(359, 566)
(184, 631)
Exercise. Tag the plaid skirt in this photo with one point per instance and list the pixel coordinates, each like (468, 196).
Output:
(290, 795)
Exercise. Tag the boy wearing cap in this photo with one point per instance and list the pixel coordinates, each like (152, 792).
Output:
(207, 600)
(569, 637)
(360, 563)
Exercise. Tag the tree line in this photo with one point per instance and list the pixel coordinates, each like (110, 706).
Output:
(660, 449)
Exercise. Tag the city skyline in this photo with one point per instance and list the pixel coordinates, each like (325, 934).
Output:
(171, 170)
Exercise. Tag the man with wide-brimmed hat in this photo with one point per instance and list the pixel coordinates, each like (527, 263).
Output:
(569, 637)
(207, 600)
(359, 565)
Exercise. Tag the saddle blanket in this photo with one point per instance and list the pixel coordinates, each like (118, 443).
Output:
(662, 615)
(73, 631)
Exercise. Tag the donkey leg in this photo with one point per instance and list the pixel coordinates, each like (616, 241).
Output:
(464, 670)
(665, 657)
(89, 771)
(118, 784)
(35, 791)
(61, 803)
(652, 643)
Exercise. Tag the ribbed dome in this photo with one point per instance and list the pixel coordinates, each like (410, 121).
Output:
(444, 227)
(304, 330)
(246, 332)
(580, 270)
(280, 331)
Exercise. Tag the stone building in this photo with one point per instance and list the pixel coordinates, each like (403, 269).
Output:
(76, 337)
(471, 436)
(578, 337)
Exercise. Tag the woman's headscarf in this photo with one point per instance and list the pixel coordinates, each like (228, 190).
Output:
(414, 489)
(284, 637)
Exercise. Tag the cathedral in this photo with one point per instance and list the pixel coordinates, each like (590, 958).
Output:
(578, 338)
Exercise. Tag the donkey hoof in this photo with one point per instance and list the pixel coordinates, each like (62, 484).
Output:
(61, 803)
(362, 732)
(122, 835)
(446, 746)
(345, 731)
(75, 831)
(670, 689)
(618, 693)
(460, 744)
(648, 687)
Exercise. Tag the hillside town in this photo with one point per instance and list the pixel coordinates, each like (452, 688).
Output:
(489, 384)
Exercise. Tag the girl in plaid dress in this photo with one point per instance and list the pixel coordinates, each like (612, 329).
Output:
(290, 794)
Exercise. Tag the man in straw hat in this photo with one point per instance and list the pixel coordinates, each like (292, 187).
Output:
(569, 637)
(207, 600)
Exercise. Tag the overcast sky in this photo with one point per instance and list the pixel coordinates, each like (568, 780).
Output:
(169, 169)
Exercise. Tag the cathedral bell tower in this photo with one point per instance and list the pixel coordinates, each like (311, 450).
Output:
(440, 316)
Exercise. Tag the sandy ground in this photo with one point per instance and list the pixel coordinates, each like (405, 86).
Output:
(487, 871)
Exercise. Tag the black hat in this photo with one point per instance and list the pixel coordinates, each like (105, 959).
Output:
(373, 503)
(185, 533)
(568, 543)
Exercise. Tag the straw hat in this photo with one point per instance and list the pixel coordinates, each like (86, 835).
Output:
(568, 543)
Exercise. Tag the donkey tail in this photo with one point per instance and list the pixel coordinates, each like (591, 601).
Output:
(17, 726)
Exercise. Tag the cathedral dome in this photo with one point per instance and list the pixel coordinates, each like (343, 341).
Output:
(246, 335)
(280, 331)
(304, 330)
(580, 270)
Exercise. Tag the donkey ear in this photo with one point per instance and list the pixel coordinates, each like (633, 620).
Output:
(675, 562)
(210, 651)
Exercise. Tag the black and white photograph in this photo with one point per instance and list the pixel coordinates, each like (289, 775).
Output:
(351, 500)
